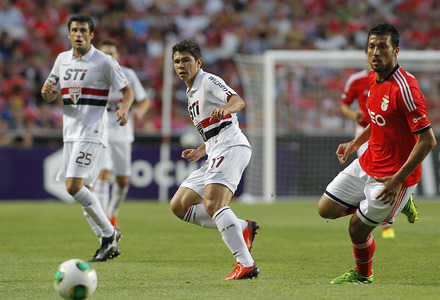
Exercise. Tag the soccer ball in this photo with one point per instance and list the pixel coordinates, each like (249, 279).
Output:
(75, 279)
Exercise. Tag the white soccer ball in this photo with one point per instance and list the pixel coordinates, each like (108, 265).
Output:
(75, 279)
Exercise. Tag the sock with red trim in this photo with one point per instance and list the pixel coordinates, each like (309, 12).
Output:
(363, 255)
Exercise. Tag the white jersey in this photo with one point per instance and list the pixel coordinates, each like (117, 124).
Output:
(210, 91)
(123, 133)
(84, 85)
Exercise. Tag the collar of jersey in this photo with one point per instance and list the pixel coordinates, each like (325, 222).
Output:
(86, 56)
(197, 81)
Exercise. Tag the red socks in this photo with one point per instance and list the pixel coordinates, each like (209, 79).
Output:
(363, 255)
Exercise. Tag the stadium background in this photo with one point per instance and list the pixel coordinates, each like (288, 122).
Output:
(34, 32)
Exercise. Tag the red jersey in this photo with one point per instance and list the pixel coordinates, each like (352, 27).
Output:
(397, 114)
(356, 88)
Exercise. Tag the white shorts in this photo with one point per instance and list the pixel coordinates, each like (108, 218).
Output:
(81, 160)
(224, 167)
(353, 188)
(117, 158)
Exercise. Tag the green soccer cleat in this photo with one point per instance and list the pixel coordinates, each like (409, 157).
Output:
(410, 210)
(353, 277)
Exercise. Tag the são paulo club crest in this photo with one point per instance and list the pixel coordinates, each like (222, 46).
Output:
(75, 93)
(386, 100)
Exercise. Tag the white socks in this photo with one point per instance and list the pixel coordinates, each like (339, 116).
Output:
(197, 214)
(229, 226)
(93, 208)
(102, 190)
(118, 197)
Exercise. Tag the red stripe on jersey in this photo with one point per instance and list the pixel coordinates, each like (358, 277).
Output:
(87, 91)
(397, 203)
(205, 123)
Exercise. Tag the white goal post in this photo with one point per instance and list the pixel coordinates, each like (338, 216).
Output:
(282, 86)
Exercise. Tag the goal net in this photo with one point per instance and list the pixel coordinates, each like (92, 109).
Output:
(293, 117)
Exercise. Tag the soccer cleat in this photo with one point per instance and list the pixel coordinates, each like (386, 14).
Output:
(109, 249)
(410, 210)
(388, 233)
(353, 277)
(249, 233)
(241, 272)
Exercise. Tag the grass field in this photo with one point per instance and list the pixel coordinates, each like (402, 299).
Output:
(164, 258)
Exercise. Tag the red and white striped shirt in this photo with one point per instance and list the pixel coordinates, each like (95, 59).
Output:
(208, 92)
(84, 85)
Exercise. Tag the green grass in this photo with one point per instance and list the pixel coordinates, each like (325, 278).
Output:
(164, 258)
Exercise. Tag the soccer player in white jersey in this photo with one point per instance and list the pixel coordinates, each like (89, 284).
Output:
(376, 186)
(83, 76)
(204, 196)
(117, 156)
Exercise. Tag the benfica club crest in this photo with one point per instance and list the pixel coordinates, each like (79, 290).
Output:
(75, 93)
(385, 102)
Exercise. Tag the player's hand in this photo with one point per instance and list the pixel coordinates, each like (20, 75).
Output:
(122, 117)
(344, 150)
(48, 87)
(191, 154)
(359, 116)
(390, 190)
(218, 113)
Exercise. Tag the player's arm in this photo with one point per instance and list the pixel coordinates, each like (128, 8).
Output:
(355, 115)
(425, 143)
(141, 108)
(127, 101)
(344, 150)
(47, 91)
(234, 104)
(194, 154)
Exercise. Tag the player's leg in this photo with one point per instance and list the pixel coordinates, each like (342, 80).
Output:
(187, 202)
(118, 195)
(370, 214)
(342, 196)
(330, 209)
(102, 187)
(221, 178)
(364, 247)
(121, 158)
(82, 170)
(90, 203)
(217, 198)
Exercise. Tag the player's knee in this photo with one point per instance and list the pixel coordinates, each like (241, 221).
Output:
(122, 181)
(72, 188)
(211, 207)
(325, 210)
(177, 207)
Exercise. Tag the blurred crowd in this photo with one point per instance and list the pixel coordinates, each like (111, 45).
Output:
(33, 32)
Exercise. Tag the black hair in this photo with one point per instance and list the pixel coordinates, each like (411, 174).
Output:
(386, 29)
(108, 42)
(82, 19)
(189, 46)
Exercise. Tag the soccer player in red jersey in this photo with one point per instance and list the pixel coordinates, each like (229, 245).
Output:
(376, 187)
(356, 89)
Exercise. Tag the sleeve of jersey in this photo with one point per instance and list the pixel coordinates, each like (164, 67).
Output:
(139, 91)
(413, 102)
(114, 73)
(219, 88)
(54, 75)
(349, 94)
